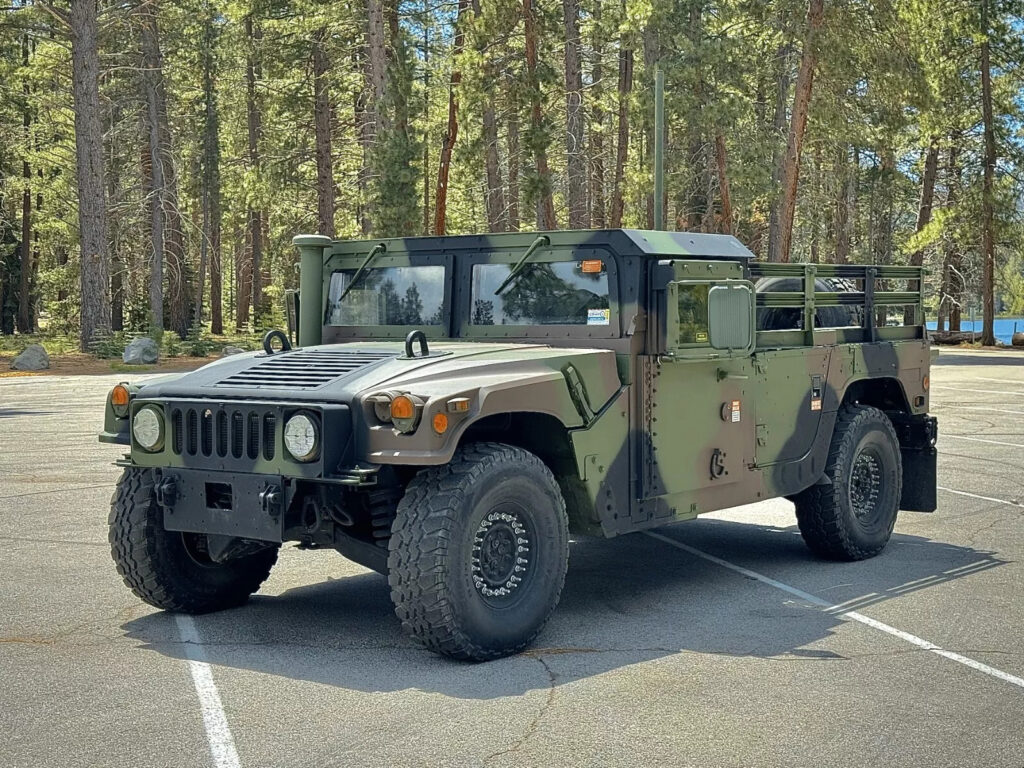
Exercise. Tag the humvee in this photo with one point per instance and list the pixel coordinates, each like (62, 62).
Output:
(456, 407)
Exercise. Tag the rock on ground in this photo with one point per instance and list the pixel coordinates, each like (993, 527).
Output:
(33, 358)
(228, 351)
(141, 351)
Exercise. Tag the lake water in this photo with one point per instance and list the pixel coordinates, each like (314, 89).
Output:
(1003, 327)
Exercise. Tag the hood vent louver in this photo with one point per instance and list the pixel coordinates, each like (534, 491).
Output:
(303, 370)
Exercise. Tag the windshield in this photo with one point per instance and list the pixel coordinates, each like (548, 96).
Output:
(388, 296)
(556, 293)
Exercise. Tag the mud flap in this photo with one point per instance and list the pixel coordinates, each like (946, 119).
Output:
(917, 437)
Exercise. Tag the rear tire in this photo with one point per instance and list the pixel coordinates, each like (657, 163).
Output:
(167, 568)
(478, 552)
(852, 517)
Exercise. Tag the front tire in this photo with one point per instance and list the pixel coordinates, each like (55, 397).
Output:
(478, 552)
(851, 516)
(167, 569)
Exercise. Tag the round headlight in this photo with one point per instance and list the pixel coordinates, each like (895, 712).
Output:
(301, 437)
(148, 428)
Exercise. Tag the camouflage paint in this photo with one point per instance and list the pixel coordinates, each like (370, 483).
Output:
(655, 437)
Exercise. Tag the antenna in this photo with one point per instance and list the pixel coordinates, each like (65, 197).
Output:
(659, 147)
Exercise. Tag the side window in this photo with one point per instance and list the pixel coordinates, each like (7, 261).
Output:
(693, 314)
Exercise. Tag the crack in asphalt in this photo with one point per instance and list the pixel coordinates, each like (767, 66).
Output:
(544, 708)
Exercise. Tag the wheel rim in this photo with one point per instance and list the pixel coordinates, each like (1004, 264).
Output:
(866, 486)
(502, 560)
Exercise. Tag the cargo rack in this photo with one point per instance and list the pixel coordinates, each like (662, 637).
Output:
(868, 298)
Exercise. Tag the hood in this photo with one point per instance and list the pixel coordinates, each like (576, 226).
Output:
(333, 372)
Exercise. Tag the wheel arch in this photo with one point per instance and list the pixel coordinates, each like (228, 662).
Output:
(545, 436)
(886, 393)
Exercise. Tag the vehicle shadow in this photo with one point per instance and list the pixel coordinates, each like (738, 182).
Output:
(626, 601)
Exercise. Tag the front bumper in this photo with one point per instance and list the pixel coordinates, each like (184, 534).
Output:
(245, 505)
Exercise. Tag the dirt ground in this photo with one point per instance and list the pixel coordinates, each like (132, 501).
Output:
(80, 364)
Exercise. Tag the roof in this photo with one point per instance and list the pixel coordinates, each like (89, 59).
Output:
(624, 242)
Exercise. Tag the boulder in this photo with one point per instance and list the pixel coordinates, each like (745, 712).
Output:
(33, 358)
(141, 351)
(1017, 339)
(228, 351)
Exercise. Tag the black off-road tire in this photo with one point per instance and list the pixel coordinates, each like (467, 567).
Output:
(160, 568)
(448, 553)
(852, 517)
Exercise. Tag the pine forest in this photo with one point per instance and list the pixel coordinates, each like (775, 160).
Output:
(157, 157)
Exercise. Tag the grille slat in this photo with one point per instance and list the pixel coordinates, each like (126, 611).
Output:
(226, 433)
(303, 370)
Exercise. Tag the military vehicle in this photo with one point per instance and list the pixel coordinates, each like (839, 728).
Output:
(457, 407)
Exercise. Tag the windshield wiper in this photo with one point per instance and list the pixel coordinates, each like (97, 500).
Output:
(521, 264)
(378, 249)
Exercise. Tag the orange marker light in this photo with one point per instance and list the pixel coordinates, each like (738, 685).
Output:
(119, 398)
(440, 423)
(402, 408)
(591, 266)
(925, 383)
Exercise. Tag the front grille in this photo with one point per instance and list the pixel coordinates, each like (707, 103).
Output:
(303, 370)
(207, 431)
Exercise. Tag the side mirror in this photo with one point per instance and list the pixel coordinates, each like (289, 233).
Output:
(731, 317)
(709, 319)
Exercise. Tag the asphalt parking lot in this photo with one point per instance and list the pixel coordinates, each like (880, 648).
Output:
(719, 642)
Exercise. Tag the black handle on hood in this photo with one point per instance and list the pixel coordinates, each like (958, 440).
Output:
(269, 337)
(413, 336)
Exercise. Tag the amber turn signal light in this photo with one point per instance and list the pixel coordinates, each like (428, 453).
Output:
(119, 399)
(440, 423)
(402, 407)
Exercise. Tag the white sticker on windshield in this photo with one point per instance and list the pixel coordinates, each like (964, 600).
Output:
(599, 316)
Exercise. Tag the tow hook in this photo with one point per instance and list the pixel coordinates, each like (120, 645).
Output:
(270, 500)
(166, 491)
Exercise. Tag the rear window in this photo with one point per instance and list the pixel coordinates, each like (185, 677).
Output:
(387, 296)
(555, 293)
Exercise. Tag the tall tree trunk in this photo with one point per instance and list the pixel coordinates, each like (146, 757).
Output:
(322, 120)
(844, 212)
(988, 337)
(545, 202)
(576, 162)
(427, 210)
(652, 56)
(251, 289)
(953, 293)
(164, 177)
(797, 126)
(92, 207)
(778, 127)
(513, 159)
(597, 208)
(724, 195)
(625, 86)
(924, 210)
(154, 163)
(452, 132)
(698, 204)
(495, 197)
(211, 179)
(25, 313)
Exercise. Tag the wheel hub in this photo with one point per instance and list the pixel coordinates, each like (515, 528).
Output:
(865, 485)
(501, 554)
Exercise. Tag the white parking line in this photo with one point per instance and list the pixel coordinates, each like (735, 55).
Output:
(983, 498)
(849, 615)
(945, 436)
(218, 734)
(982, 391)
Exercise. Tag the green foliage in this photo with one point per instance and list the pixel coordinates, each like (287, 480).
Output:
(891, 77)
